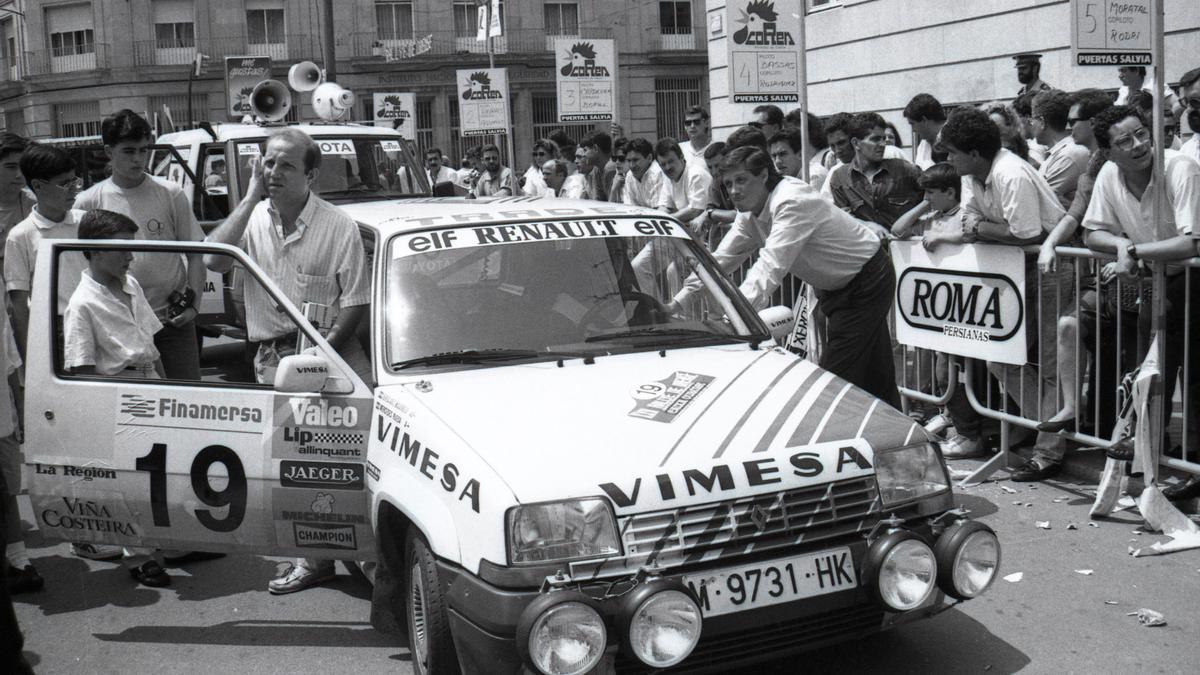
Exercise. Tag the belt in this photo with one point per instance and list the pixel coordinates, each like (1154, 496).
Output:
(287, 340)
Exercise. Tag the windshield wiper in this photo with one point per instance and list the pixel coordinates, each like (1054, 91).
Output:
(477, 356)
(685, 333)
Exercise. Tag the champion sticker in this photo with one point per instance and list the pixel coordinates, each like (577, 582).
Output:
(664, 400)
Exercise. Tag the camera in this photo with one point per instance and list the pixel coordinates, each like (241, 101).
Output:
(178, 303)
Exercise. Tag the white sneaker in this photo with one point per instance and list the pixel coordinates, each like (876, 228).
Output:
(961, 447)
(937, 424)
(97, 551)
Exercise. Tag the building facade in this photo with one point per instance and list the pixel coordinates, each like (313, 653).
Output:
(874, 55)
(65, 64)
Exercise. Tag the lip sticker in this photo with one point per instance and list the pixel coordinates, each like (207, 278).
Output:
(664, 400)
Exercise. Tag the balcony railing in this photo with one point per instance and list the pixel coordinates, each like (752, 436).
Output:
(76, 58)
(674, 40)
(445, 43)
(297, 47)
(10, 70)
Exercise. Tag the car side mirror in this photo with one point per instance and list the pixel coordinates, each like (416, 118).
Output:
(779, 320)
(301, 374)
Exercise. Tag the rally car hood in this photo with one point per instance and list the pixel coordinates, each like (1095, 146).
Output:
(670, 428)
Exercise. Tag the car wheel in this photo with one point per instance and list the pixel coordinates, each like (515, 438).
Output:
(429, 637)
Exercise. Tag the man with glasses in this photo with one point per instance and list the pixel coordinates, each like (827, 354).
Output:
(1120, 220)
(1066, 159)
(696, 125)
(768, 119)
(620, 167)
(532, 184)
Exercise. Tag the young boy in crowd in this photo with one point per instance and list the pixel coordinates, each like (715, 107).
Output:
(109, 328)
(16, 201)
(938, 218)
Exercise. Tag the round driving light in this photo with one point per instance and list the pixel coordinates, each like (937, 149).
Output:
(566, 639)
(902, 570)
(968, 555)
(665, 629)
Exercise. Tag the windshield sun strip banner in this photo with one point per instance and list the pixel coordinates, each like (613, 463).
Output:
(531, 232)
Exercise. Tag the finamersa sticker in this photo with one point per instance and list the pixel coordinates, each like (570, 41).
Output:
(522, 233)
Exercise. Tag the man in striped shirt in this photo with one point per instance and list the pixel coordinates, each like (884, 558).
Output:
(314, 253)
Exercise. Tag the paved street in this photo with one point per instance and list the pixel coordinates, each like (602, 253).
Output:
(218, 617)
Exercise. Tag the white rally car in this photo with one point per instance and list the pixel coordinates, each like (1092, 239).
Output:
(554, 473)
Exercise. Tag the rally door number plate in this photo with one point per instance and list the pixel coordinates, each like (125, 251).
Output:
(735, 589)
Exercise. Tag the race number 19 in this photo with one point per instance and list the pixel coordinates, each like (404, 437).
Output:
(233, 496)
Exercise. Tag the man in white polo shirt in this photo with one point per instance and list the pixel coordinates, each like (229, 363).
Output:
(1006, 201)
(685, 191)
(644, 181)
(314, 253)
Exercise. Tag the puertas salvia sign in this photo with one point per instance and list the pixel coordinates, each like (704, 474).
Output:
(963, 300)
(764, 50)
(1111, 32)
(585, 72)
(483, 102)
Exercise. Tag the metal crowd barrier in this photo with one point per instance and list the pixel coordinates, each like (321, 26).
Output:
(1120, 324)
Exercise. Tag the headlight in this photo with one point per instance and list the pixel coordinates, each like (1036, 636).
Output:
(664, 628)
(566, 638)
(901, 570)
(566, 530)
(968, 555)
(909, 473)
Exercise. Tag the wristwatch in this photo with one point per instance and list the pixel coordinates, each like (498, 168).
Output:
(1131, 250)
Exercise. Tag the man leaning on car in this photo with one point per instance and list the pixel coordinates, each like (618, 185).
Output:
(313, 251)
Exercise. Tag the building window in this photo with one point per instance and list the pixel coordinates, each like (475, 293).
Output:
(675, 17)
(672, 97)
(174, 35)
(464, 19)
(73, 43)
(424, 127)
(453, 154)
(562, 18)
(816, 5)
(545, 119)
(265, 33)
(72, 120)
(394, 19)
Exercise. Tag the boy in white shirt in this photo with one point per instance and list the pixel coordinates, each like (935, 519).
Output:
(109, 329)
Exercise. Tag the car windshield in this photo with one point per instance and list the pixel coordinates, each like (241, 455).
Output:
(554, 289)
(352, 167)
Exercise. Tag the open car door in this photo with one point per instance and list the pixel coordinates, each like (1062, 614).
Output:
(219, 464)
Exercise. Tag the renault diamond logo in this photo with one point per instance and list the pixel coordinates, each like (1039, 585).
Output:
(759, 515)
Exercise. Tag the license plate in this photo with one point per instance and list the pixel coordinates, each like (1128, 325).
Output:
(735, 589)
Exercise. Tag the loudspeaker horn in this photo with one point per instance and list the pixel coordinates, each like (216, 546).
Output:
(331, 102)
(270, 100)
(305, 76)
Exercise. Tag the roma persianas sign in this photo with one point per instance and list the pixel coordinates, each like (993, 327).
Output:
(964, 300)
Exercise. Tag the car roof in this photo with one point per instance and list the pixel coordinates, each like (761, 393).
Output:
(228, 132)
(397, 216)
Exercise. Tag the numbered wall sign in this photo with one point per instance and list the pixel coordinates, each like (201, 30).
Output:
(1112, 33)
(764, 51)
(483, 101)
(586, 74)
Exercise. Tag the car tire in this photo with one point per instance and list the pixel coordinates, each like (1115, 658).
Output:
(429, 638)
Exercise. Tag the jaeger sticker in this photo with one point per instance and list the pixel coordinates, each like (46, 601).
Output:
(664, 400)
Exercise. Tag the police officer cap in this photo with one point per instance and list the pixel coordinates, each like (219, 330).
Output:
(1022, 59)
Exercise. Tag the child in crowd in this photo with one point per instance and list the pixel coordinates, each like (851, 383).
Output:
(938, 218)
(108, 329)
(16, 201)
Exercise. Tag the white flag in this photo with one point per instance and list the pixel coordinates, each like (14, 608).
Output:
(494, 27)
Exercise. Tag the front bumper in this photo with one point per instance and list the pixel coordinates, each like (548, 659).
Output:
(484, 619)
